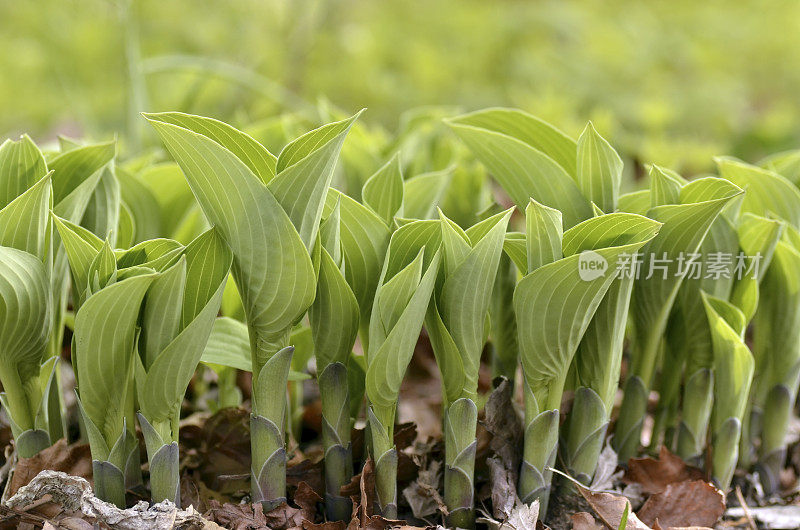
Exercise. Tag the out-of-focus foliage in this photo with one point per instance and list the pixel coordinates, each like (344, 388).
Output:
(669, 83)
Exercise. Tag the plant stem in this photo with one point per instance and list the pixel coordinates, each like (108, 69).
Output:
(381, 423)
(461, 420)
(162, 453)
(267, 422)
(772, 453)
(698, 397)
(586, 430)
(336, 427)
(539, 452)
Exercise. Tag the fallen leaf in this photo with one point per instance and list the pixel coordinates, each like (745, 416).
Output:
(606, 473)
(503, 422)
(659, 527)
(523, 517)
(422, 495)
(420, 394)
(252, 516)
(504, 489)
(364, 497)
(219, 450)
(610, 507)
(683, 504)
(585, 521)
(308, 472)
(404, 435)
(237, 516)
(655, 475)
(75, 459)
(307, 499)
(329, 525)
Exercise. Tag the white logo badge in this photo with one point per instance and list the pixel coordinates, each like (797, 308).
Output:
(591, 265)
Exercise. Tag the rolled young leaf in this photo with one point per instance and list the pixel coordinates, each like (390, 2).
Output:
(402, 297)
(269, 216)
(334, 318)
(555, 304)
(733, 373)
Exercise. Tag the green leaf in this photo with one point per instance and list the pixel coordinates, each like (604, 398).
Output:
(143, 206)
(462, 299)
(175, 200)
(228, 345)
(768, 193)
(272, 267)
(423, 193)
(24, 222)
(599, 169)
(529, 159)
(383, 191)
(684, 229)
(75, 176)
(542, 235)
(208, 261)
(364, 241)
(105, 329)
(400, 321)
(664, 188)
(547, 338)
(531, 130)
(333, 315)
(21, 165)
(25, 314)
(305, 170)
(255, 156)
(81, 246)
(102, 212)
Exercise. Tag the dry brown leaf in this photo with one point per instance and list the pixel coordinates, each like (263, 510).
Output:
(609, 508)
(329, 525)
(585, 521)
(423, 494)
(655, 475)
(252, 516)
(684, 504)
(504, 489)
(308, 472)
(504, 424)
(75, 459)
(307, 499)
(219, 450)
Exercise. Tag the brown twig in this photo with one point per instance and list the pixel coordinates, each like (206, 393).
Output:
(750, 522)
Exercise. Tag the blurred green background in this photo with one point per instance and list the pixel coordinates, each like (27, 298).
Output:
(668, 82)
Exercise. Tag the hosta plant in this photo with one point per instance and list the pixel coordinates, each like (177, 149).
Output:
(687, 213)
(555, 302)
(334, 318)
(455, 322)
(179, 311)
(268, 211)
(401, 299)
(733, 373)
(30, 395)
